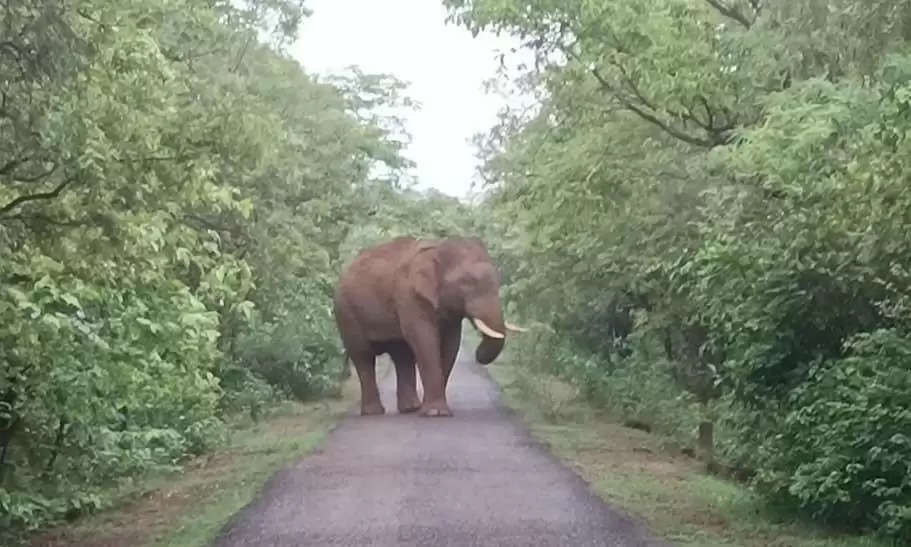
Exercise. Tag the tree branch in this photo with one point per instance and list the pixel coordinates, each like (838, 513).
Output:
(87, 17)
(46, 220)
(16, 53)
(12, 48)
(717, 133)
(8, 167)
(58, 444)
(192, 55)
(178, 157)
(39, 176)
(34, 197)
(708, 111)
(208, 224)
(730, 12)
(629, 105)
(243, 53)
(639, 111)
(665, 127)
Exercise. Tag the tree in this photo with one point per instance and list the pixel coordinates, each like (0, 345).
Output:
(173, 193)
(717, 184)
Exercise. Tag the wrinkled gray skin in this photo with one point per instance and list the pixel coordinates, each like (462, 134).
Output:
(408, 298)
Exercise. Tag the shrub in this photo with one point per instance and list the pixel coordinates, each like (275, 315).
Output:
(639, 387)
(843, 451)
(298, 355)
(245, 391)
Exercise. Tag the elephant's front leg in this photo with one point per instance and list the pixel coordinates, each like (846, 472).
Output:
(450, 340)
(424, 339)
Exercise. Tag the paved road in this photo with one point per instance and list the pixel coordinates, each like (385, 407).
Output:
(475, 479)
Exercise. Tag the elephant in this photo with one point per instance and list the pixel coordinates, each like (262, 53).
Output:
(407, 298)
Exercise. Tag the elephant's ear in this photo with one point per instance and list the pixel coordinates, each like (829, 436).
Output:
(423, 276)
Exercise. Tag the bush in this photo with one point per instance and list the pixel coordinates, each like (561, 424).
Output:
(245, 391)
(299, 355)
(638, 388)
(842, 451)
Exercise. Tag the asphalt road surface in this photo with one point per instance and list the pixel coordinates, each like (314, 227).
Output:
(477, 478)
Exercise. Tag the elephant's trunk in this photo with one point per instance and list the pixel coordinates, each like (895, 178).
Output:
(489, 349)
(493, 333)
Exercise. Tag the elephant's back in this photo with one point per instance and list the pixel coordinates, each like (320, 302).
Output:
(373, 272)
(366, 291)
(380, 260)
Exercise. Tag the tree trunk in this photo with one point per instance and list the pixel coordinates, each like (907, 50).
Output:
(58, 444)
(6, 436)
(707, 441)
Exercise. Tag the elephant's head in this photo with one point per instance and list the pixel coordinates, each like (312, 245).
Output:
(464, 282)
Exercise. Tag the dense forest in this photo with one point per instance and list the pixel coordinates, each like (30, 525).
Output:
(176, 197)
(709, 207)
(704, 215)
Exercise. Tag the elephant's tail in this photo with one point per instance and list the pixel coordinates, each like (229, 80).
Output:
(346, 370)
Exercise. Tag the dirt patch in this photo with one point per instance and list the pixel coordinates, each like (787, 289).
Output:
(135, 524)
(146, 517)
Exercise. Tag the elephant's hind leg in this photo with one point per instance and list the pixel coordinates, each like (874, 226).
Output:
(406, 378)
(365, 364)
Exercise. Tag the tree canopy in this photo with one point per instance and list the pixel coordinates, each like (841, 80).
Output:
(708, 205)
(174, 194)
(705, 214)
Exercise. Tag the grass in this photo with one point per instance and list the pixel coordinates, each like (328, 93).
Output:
(648, 477)
(190, 508)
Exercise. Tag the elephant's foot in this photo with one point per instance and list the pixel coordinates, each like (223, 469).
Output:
(372, 409)
(409, 403)
(409, 407)
(435, 410)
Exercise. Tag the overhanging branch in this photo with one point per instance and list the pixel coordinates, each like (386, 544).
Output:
(37, 218)
(649, 117)
(36, 177)
(670, 130)
(36, 197)
(732, 13)
(9, 166)
(645, 109)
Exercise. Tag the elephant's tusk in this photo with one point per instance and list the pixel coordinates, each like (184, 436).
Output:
(486, 330)
(514, 328)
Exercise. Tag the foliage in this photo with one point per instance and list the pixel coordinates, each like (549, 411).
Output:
(645, 474)
(643, 393)
(411, 212)
(174, 191)
(842, 451)
(708, 203)
(299, 353)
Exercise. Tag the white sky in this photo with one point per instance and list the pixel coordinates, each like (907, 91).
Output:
(444, 65)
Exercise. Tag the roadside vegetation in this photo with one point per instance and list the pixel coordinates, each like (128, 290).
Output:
(190, 507)
(707, 211)
(176, 198)
(704, 216)
(655, 478)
